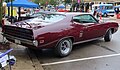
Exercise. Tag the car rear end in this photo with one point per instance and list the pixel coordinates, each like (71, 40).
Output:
(27, 32)
(19, 35)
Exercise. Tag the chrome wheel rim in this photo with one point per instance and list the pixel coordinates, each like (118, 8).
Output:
(65, 47)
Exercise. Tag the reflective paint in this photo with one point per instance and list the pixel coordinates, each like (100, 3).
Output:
(82, 59)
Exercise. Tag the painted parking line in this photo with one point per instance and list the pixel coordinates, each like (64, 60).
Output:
(82, 59)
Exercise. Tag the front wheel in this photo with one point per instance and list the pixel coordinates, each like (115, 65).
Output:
(105, 15)
(64, 47)
(112, 15)
(108, 36)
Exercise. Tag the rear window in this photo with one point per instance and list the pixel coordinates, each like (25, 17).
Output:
(48, 18)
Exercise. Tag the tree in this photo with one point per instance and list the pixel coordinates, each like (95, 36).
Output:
(43, 2)
(68, 1)
(1, 12)
(53, 2)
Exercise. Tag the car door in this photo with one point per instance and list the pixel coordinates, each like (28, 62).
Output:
(92, 31)
(78, 31)
(93, 27)
(87, 26)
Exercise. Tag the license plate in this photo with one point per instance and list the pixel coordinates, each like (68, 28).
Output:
(17, 41)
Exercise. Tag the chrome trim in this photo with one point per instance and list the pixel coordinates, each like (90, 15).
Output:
(22, 40)
(86, 40)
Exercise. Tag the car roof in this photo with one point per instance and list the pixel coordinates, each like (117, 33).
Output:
(65, 13)
(106, 5)
(72, 13)
(95, 5)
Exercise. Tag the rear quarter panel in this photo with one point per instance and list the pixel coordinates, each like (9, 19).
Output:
(51, 34)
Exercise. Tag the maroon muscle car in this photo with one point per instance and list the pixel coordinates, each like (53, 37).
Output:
(59, 31)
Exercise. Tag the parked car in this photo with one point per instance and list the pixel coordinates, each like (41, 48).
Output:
(59, 31)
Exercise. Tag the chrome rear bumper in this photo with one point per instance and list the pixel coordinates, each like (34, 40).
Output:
(25, 41)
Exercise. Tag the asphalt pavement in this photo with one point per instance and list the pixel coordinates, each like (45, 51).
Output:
(94, 55)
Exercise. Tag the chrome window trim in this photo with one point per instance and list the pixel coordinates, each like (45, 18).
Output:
(86, 40)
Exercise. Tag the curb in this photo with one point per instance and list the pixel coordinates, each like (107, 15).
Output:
(34, 60)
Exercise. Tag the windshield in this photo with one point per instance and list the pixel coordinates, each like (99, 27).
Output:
(109, 7)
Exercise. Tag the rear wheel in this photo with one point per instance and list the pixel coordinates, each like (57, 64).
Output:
(108, 36)
(64, 47)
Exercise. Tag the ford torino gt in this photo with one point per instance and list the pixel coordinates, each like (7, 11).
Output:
(59, 31)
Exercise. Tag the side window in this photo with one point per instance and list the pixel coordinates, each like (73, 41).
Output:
(76, 19)
(85, 18)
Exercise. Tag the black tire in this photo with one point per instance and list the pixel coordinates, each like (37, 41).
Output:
(105, 15)
(64, 47)
(112, 15)
(108, 36)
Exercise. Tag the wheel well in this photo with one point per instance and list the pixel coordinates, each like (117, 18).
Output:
(72, 39)
(66, 38)
(105, 14)
(112, 29)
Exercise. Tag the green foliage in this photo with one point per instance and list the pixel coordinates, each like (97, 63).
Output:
(36, 1)
(43, 2)
(68, 1)
(8, 0)
(1, 13)
(53, 2)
